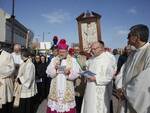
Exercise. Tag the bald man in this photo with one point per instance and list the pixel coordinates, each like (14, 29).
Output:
(98, 93)
(17, 58)
(17, 54)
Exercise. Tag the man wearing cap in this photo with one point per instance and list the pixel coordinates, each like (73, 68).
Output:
(133, 80)
(6, 84)
(63, 69)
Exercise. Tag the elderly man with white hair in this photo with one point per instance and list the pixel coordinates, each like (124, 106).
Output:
(17, 57)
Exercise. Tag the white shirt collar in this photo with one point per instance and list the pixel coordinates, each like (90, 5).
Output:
(143, 47)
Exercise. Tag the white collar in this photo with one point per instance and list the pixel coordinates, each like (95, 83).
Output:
(143, 47)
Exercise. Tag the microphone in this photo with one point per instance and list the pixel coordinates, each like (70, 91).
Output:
(59, 67)
(60, 60)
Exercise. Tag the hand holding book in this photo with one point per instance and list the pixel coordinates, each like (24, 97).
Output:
(67, 71)
(61, 69)
(87, 74)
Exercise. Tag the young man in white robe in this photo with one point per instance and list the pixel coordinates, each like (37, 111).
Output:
(61, 97)
(98, 90)
(6, 84)
(25, 86)
(133, 82)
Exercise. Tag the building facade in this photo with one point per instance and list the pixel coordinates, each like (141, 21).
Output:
(22, 35)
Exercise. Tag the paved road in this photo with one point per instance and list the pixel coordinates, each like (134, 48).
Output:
(42, 107)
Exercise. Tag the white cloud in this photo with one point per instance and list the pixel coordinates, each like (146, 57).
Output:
(132, 10)
(58, 16)
(122, 33)
(118, 27)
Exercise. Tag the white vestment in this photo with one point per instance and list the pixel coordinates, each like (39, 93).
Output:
(98, 94)
(26, 75)
(17, 61)
(17, 58)
(134, 78)
(6, 84)
(62, 96)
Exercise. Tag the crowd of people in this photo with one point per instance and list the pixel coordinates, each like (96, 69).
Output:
(73, 82)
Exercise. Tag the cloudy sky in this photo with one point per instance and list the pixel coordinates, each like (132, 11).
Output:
(58, 17)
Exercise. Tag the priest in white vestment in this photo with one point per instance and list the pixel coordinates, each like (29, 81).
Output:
(6, 85)
(17, 58)
(17, 54)
(63, 70)
(133, 81)
(98, 90)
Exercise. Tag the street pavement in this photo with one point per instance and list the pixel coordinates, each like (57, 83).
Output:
(42, 107)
